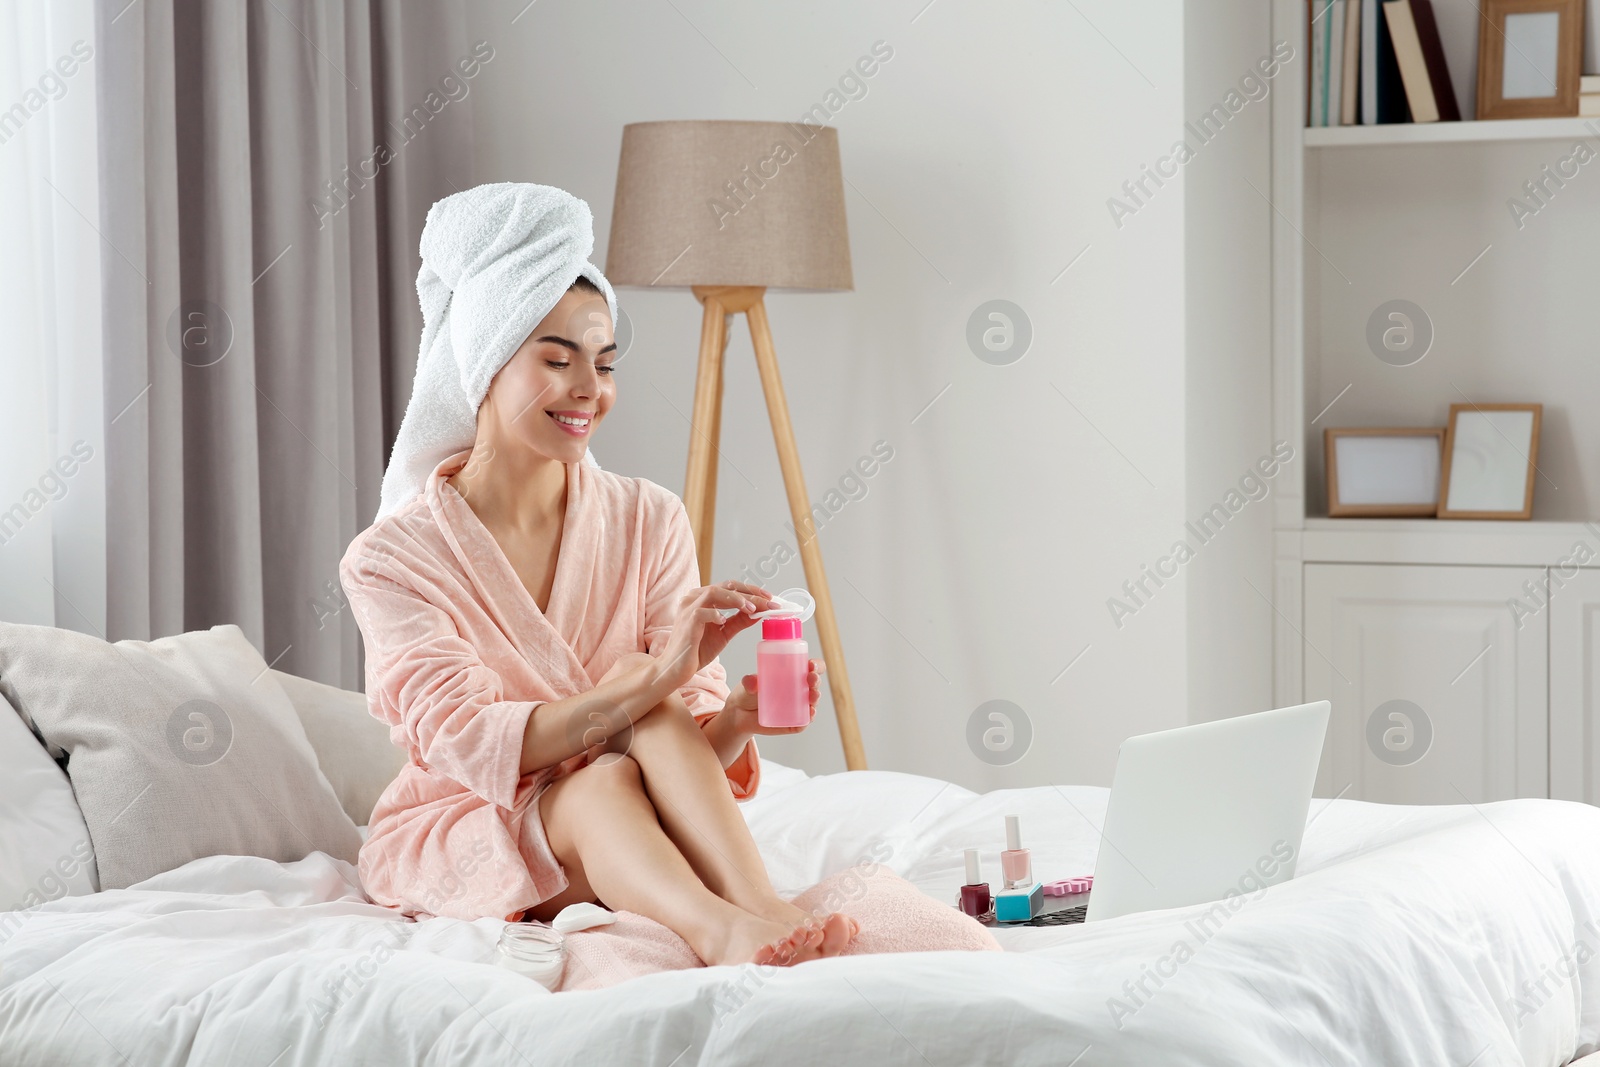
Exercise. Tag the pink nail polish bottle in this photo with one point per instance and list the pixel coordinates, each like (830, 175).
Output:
(975, 898)
(782, 695)
(1016, 864)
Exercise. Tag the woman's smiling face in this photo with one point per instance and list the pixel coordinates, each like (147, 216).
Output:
(553, 392)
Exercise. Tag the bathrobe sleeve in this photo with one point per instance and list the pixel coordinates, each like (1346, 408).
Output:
(678, 573)
(432, 684)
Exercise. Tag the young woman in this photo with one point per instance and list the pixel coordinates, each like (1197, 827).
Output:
(537, 642)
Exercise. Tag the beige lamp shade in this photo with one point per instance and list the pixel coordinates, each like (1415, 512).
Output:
(729, 203)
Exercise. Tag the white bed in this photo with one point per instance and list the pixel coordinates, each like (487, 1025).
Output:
(1445, 935)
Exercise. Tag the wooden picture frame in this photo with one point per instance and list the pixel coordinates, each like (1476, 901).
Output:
(1494, 42)
(1378, 498)
(1497, 450)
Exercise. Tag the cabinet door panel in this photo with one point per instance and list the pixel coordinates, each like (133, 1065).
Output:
(1445, 641)
(1574, 661)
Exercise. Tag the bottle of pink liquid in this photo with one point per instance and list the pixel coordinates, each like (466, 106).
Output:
(782, 696)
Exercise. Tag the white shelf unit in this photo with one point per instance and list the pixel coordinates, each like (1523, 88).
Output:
(1369, 610)
(1431, 542)
(1447, 132)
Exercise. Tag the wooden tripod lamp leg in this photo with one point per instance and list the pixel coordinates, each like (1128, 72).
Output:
(709, 516)
(855, 755)
(699, 483)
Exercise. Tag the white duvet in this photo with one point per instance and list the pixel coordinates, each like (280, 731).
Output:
(1441, 936)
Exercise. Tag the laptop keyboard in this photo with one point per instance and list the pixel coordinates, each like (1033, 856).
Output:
(1059, 917)
(1064, 917)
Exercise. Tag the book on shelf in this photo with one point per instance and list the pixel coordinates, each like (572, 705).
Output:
(1350, 74)
(1391, 106)
(1322, 96)
(1444, 94)
(1369, 69)
(1377, 61)
(1416, 49)
(1408, 54)
(1437, 67)
(1335, 65)
(1589, 96)
(1314, 67)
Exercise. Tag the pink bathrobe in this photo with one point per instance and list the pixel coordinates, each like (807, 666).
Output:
(459, 655)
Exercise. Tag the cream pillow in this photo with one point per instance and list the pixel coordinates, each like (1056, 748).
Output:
(44, 846)
(353, 748)
(177, 749)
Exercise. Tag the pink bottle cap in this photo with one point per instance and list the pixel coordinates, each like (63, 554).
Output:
(780, 628)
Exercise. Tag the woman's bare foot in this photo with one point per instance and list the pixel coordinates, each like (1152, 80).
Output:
(797, 946)
(838, 929)
(764, 941)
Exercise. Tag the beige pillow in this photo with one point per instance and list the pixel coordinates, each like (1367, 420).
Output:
(177, 749)
(353, 748)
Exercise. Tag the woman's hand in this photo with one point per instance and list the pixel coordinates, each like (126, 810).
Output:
(743, 702)
(700, 633)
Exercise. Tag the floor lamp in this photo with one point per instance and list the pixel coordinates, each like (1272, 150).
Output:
(730, 210)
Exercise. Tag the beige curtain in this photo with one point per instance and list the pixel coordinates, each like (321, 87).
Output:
(265, 170)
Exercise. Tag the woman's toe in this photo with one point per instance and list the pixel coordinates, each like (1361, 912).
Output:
(807, 941)
(838, 930)
(802, 943)
(772, 955)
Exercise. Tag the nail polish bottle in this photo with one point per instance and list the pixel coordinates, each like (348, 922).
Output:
(975, 894)
(1016, 864)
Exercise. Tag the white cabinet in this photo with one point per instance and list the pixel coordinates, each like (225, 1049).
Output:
(1435, 654)
(1574, 658)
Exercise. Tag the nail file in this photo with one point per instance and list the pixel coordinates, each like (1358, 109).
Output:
(1019, 904)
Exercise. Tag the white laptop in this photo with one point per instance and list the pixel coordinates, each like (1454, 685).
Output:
(1201, 810)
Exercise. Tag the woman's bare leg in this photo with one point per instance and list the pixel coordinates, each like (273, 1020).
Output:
(686, 783)
(603, 829)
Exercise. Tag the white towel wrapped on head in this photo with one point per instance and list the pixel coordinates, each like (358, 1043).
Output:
(495, 260)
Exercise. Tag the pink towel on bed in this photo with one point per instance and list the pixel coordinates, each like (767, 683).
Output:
(894, 915)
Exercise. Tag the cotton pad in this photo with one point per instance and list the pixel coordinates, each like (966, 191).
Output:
(581, 916)
(795, 602)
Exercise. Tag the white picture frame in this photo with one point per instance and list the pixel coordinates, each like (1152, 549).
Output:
(1491, 455)
(1383, 472)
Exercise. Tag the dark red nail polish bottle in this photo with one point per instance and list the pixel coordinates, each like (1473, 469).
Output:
(975, 899)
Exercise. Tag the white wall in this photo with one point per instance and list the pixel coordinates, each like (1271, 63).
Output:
(1228, 234)
(981, 159)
